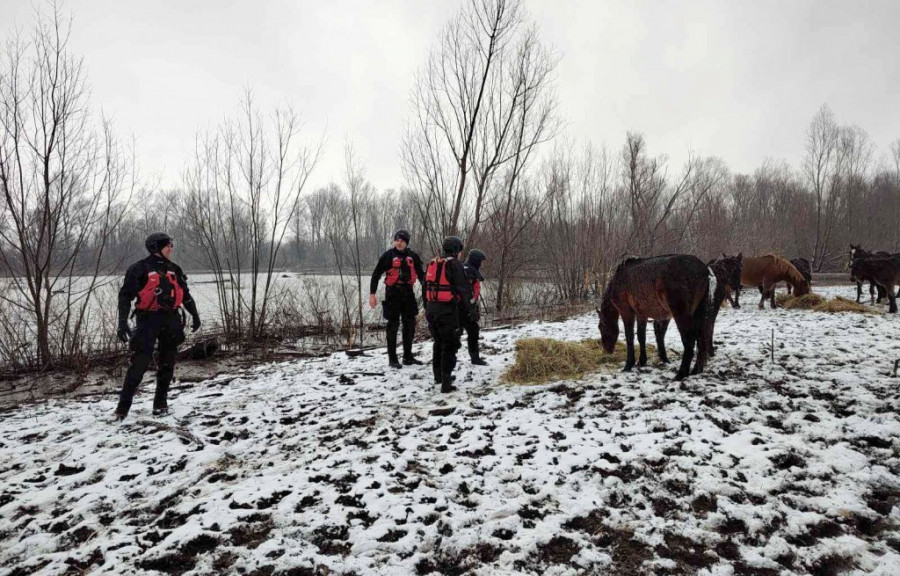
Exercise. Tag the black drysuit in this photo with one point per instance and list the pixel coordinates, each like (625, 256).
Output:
(164, 326)
(470, 321)
(444, 321)
(400, 299)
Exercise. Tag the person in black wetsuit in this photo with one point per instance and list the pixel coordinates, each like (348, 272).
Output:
(401, 268)
(472, 268)
(158, 288)
(447, 296)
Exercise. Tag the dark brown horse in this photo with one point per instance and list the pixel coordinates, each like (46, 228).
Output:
(857, 251)
(661, 288)
(765, 272)
(804, 268)
(728, 280)
(883, 270)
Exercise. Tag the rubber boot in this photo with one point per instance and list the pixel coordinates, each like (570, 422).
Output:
(447, 383)
(392, 350)
(408, 335)
(477, 361)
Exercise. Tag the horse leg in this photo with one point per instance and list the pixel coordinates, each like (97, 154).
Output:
(881, 293)
(659, 329)
(892, 300)
(642, 341)
(629, 342)
(772, 296)
(871, 292)
(737, 296)
(685, 325)
(762, 298)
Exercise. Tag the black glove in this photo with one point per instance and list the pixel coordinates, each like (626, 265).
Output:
(195, 323)
(124, 332)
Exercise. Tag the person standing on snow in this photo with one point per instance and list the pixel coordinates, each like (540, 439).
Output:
(472, 268)
(401, 268)
(447, 296)
(158, 288)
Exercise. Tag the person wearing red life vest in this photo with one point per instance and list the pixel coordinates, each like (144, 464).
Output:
(401, 268)
(472, 268)
(158, 288)
(448, 296)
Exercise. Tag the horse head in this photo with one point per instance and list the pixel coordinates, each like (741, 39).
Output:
(608, 325)
(729, 270)
(854, 249)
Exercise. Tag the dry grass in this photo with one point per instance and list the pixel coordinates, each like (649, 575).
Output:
(818, 303)
(540, 360)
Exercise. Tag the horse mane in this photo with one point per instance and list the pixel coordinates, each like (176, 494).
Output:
(789, 270)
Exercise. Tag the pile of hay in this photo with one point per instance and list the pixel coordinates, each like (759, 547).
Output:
(818, 303)
(540, 360)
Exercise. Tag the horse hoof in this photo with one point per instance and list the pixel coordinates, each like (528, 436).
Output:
(628, 368)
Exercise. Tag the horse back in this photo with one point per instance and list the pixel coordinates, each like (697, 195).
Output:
(660, 287)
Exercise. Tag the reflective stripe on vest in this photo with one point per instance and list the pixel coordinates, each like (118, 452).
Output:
(392, 277)
(437, 287)
(154, 297)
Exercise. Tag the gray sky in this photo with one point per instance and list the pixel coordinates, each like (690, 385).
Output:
(735, 79)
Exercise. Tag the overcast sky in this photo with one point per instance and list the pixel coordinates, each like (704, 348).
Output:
(735, 79)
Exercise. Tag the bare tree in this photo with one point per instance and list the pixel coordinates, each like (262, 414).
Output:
(65, 182)
(822, 166)
(244, 189)
(462, 114)
(357, 190)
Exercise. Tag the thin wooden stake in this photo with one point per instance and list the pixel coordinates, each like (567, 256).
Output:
(773, 346)
(896, 365)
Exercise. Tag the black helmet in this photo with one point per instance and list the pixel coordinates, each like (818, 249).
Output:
(452, 245)
(157, 241)
(475, 258)
(402, 234)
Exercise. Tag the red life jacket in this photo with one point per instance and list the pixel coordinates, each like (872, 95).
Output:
(160, 292)
(437, 287)
(476, 290)
(392, 277)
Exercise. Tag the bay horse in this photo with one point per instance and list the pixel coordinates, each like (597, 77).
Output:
(804, 268)
(884, 271)
(765, 272)
(856, 251)
(674, 286)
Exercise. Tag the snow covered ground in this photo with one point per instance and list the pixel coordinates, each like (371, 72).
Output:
(335, 466)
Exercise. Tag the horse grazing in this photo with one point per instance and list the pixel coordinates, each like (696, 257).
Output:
(765, 272)
(804, 268)
(856, 251)
(674, 286)
(884, 271)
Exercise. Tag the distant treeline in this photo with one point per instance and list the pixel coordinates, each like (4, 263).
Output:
(484, 157)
